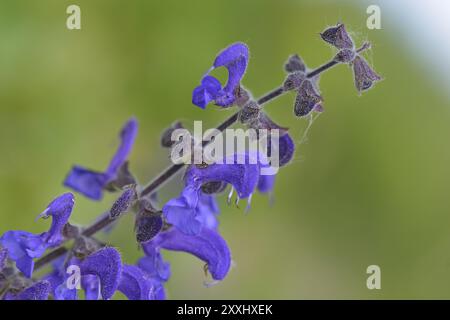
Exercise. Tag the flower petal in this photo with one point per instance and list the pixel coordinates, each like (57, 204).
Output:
(286, 149)
(136, 285)
(266, 183)
(87, 182)
(91, 183)
(127, 136)
(234, 58)
(60, 210)
(38, 291)
(91, 287)
(64, 293)
(22, 248)
(154, 264)
(182, 211)
(208, 246)
(206, 92)
(107, 265)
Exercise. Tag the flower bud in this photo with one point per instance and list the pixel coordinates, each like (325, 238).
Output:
(364, 74)
(123, 203)
(307, 99)
(70, 231)
(345, 56)
(242, 96)
(166, 136)
(212, 187)
(294, 63)
(147, 226)
(338, 37)
(293, 80)
(249, 113)
(265, 122)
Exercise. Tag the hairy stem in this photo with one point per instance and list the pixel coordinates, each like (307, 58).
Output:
(170, 171)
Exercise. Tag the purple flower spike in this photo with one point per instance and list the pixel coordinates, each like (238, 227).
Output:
(364, 75)
(91, 183)
(208, 246)
(107, 265)
(22, 248)
(135, 284)
(123, 203)
(60, 210)
(235, 59)
(38, 291)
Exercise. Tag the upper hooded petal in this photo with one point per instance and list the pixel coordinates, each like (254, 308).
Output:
(91, 183)
(242, 176)
(235, 59)
(127, 137)
(208, 246)
(60, 210)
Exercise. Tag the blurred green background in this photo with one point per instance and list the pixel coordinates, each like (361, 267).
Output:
(370, 186)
